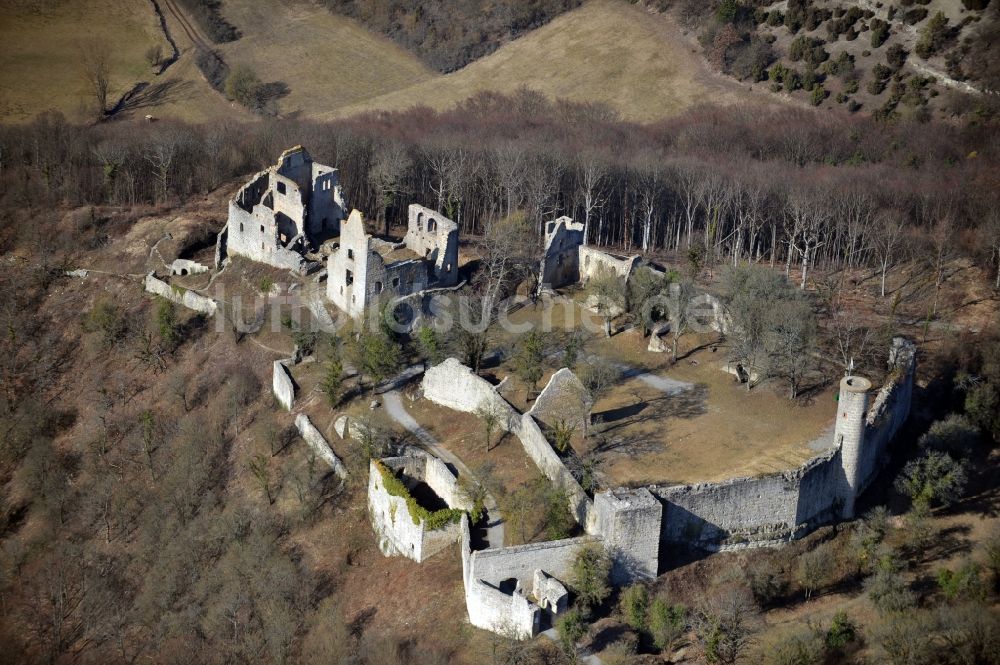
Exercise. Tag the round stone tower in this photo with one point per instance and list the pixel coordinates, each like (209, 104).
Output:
(850, 434)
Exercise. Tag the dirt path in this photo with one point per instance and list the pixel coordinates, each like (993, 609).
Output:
(189, 29)
(394, 407)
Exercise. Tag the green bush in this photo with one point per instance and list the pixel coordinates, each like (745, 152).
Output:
(966, 583)
(635, 606)
(432, 521)
(243, 86)
(880, 32)
(817, 96)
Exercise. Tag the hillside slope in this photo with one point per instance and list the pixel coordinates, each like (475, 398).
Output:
(326, 61)
(606, 51)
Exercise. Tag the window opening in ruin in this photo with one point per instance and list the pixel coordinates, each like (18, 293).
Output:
(447, 268)
(281, 188)
(350, 278)
(378, 287)
(395, 281)
(431, 224)
(427, 253)
(241, 227)
(350, 253)
(420, 221)
(261, 228)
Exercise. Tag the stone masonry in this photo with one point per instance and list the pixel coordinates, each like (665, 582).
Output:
(279, 214)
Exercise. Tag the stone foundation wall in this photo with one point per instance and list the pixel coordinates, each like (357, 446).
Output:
(181, 296)
(319, 444)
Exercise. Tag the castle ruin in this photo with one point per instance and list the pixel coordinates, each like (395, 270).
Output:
(283, 212)
(365, 269)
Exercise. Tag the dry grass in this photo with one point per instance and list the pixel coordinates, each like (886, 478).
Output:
(504, 469)
(714, 431)
(606, 51)
(327, 61)
(42, 45)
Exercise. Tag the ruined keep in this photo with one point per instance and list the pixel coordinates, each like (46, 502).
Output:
(364, 269)
(282, 211)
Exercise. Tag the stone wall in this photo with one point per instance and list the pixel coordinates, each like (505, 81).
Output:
(764, 510)
(457, 387)
(545, 458)
(511, 613)
(319, 444)
(560, 263)
(395, 530)
(564, 398)
(181, 296)
(282, 384)
(434, 237)
(592, 260)
(520, 562)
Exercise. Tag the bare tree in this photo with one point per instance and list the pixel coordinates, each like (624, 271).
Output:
(95, 59)
(886, 240)
(387, 173)
(160, 155)
(724, 625)
(591, 175)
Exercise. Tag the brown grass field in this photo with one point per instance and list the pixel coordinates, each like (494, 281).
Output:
(607, 51)
(42, 43)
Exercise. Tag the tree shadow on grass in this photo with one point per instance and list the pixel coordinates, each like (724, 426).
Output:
(146, 95)
(689, 403)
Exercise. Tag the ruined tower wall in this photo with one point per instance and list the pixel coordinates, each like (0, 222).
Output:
(434, 237)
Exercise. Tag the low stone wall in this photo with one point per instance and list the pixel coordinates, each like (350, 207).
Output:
(545, 458)
(181, 296)
(319, 444)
